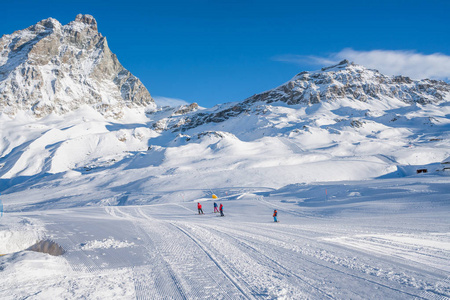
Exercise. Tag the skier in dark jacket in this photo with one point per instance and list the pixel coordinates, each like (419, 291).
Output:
(215, 207)
(275, 213)
(200, 210)
(221, 210)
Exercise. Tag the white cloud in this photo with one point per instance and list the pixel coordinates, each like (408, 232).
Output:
(390, 62)
(305, 59)
(165, 101)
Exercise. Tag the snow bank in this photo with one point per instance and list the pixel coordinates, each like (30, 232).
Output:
(19, 236)
(41, 276)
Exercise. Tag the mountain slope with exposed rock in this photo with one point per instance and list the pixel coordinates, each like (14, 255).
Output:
(49, 67)
(345, 84)
(344, 122)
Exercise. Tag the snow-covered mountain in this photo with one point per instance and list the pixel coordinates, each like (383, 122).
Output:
(354, 82)
(343, 85)
(344, 122)
(49, 67)
(361, 125)
(89, 164)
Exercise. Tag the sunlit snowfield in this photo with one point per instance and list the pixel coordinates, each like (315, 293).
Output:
(376, 239)
(356, 220)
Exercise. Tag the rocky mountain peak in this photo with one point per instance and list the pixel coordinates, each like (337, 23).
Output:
(354, 82)
(48, 23)
(49, 68)
(340, 84)
(87, 20)
(341, 65)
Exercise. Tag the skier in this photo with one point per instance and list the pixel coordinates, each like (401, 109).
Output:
(200, 210)
(215, 207)
(221, 210)
(275, 213)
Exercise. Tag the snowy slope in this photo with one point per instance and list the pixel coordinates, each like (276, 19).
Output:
(119, 195)
(270, 144)
(336, 152)
(378, 239)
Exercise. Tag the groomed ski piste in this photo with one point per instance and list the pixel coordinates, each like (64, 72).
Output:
(383, 239)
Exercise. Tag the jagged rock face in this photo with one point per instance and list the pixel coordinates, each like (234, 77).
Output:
(187, 117)
(49, 68)
(342, 81)
(347, 80)
(184, 109)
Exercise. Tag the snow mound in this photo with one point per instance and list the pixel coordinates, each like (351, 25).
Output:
(19, 237)
(105, 244)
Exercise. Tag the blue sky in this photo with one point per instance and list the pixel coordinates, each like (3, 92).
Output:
(213, 52)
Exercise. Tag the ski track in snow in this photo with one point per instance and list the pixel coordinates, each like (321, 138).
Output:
(197, 264)
(167, 251)
(185, 273)
(269, 270)
(313, 270)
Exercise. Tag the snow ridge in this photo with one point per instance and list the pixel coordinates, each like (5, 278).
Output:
(336, 85)
(355, 82)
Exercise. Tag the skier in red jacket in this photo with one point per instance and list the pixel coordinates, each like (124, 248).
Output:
(200, 210)
(221, 210)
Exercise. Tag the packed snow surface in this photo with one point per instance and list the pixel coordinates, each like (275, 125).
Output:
(377, 239)
(362, 190)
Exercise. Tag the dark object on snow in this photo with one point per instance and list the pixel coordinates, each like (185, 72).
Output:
(446, 164)
(49, 247)
(422, 171)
